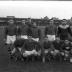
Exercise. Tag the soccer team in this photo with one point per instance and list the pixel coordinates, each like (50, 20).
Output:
(27, 41)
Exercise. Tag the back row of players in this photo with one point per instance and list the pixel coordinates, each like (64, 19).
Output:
(54, 39)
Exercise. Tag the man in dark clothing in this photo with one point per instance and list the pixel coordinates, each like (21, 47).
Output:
(29, 29)
(64, 31)
(10, 36)
(35, 32)
(66, 47)
(10, 32)
(24, 29)
(50, 31)
(18, 49)
(57, 44)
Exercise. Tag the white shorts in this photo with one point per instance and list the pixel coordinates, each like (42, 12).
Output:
(10, 39)
(24, 36)
(35, 39)
(51, 37)
(27, 53)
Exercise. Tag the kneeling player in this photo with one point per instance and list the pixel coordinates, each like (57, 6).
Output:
(48, 50)
(66, 48)
(58, 48)
(18, 49)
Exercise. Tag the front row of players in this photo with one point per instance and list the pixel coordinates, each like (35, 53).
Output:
(24, 42)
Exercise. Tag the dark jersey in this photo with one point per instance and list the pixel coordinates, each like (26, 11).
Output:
(66, 47)
(24, 29)
(50, 30)
(58, 45)
(47, 45)
(63, 32)
(29, 29)
(10, 30)
(19, 43)
(35, 32)
(18, 30)
(28, 45)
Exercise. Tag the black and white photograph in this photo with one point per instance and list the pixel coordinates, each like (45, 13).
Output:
(36, 36)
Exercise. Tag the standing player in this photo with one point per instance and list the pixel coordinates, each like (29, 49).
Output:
(10, 34)
(24, 28)
(64, 31)
(35, 32)
(29, 29)
(50, 31)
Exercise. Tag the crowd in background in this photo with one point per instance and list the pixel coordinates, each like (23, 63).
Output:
(40, 22)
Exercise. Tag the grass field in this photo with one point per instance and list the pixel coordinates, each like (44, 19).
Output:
(37, 67)
(6, 66)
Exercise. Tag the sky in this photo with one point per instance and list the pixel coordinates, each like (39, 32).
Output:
(36, 9)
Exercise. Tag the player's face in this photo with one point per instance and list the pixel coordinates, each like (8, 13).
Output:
(64, 23)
